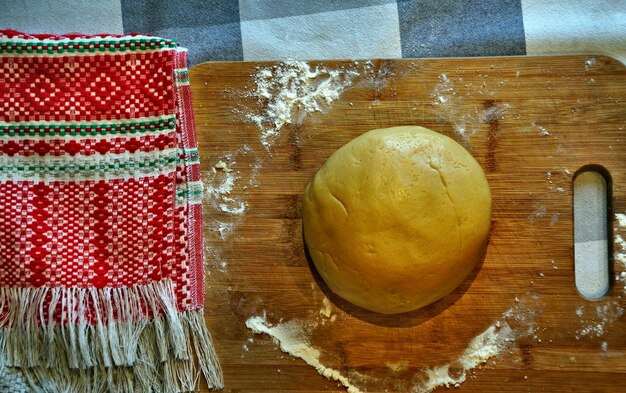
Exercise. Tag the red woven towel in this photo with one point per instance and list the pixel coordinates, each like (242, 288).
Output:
(101, 265)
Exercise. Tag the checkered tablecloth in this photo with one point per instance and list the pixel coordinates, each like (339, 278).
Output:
(341, 29)
(233, 30)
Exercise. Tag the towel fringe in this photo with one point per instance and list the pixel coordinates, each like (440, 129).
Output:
(113, 339)
(172, 376)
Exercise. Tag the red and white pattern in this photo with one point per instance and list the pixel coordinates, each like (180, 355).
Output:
(119, 232)
(98, 158)
(86, 146)
(90, 233)
(83, 88)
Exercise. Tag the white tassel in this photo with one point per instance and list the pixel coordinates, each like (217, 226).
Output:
(83, 331)
(49, 328)
(112, 328)
(177, 336)
(103, 351)
(207, 358)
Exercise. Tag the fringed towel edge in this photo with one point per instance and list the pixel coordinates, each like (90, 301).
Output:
(59, 338)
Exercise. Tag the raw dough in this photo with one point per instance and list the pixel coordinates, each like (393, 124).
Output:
(397, 218)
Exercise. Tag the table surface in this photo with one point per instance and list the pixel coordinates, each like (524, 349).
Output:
(278, 29)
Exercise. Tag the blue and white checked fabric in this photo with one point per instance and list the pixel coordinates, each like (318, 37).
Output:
(341, 29)
(220, 30)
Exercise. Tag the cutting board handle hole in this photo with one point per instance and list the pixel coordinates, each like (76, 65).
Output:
(592, 231)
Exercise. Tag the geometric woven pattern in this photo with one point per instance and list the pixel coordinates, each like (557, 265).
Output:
(100, 213)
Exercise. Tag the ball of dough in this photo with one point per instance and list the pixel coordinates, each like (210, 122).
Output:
(397, 218)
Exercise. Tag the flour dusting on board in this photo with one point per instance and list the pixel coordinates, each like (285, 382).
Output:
(219, 184)
(488, 344)
(539, 212)
(542, 130)
(619, 254)
(398, 366)
(493, 113)
(551, 182)
(225, 200)
(448, 103)
(286, 93)
(603, 315)
(327, 311)
(292, 338)
(590, 62)
(517, 322)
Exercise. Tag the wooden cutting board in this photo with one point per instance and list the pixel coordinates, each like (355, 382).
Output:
(533, 122)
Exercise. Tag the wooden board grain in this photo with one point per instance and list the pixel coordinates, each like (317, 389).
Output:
(534, 121)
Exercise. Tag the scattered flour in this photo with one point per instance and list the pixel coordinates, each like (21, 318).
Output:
(292, 339)
(619, 254)
(555, 216)
(493, 113)
(223, 266)
(376, 76)
(444, 92)
(224, 229)
(590, 62)
(327, 308)
(542, 130)
(483, 347)
(223, 166)
(218, 187)
(286, 93)
(551, 185)
(604, 346)
(326, 312)
(517, 322)
(579, 311)
(398, 366)
(225, 199)
(465, 124)
(605, 315)
(214, 258)
(448, 105)
(539, 212)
